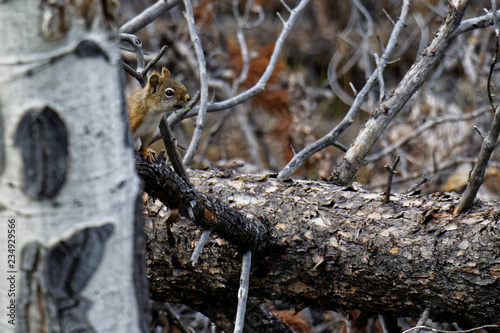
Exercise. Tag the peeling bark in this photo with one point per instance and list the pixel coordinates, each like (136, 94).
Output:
(336, 248)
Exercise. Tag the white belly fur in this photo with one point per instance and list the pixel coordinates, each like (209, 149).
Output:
(148, 126)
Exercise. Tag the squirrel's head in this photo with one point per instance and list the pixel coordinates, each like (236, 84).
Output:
(165, 93)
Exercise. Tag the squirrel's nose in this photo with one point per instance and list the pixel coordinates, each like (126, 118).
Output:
(187, 98)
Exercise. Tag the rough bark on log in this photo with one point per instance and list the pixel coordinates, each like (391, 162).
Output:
(337, 248)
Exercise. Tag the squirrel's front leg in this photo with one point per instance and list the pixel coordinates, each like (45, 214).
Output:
(148, 153)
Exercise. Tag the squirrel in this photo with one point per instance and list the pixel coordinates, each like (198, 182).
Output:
(146, 107)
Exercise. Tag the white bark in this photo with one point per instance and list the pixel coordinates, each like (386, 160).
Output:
(75, 73)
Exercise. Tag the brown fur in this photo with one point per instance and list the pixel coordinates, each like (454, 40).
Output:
(160, 96)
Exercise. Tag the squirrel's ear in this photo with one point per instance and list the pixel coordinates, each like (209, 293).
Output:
(165, 72)
(154, 82)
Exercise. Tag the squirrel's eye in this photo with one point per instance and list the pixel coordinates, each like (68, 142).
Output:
(169, 93)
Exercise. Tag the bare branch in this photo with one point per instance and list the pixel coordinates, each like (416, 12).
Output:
(383, 324)
(248, 130)
(381, 82)
(163, 183)
(479, 22)
(174, 317)
(199, 247)
(202, 67)
(365, 45)
(136, 44)
(333, 74)
(140, 73)
(429, 124)
(332, 136)
(281, 18)
(387, 110)
(423, 318)
(242, 22)
(221, 120)
(243, 292)
(261, 84)
(443, 331)
(173, 153)
(154, 60)
(391, 170)
(286, 5)
(148, 15)
(476, 177)
(423, 179)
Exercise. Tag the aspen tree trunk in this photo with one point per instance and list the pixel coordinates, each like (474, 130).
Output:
(69, 241)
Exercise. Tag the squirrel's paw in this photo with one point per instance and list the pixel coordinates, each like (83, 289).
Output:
(148, 154)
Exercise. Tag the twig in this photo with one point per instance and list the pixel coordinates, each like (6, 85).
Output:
(243, 292)
(333, 75)
(388, 16)
(478, 22)
(429, 124)
(172, 151)
(423, 179)
(365, 45)
(199, 247)
(202, 67)
(157, 57)
(353, 90)
(332, 136)
(383, 325)
(381, 82)
(140, 73)
(261, 84)
(248, 132)
(478, 131)
(136, 44)
(423, 318)
(211, 134)
(340, 146)
(242, 22)
(443, 331)
(495, 55)
(476, 177)
(139, 55)
(391, 170)
(260, 15)
(285, 5)
(148, 15)
(175, 318)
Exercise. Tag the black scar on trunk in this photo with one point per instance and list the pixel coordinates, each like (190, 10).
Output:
(42, 138)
